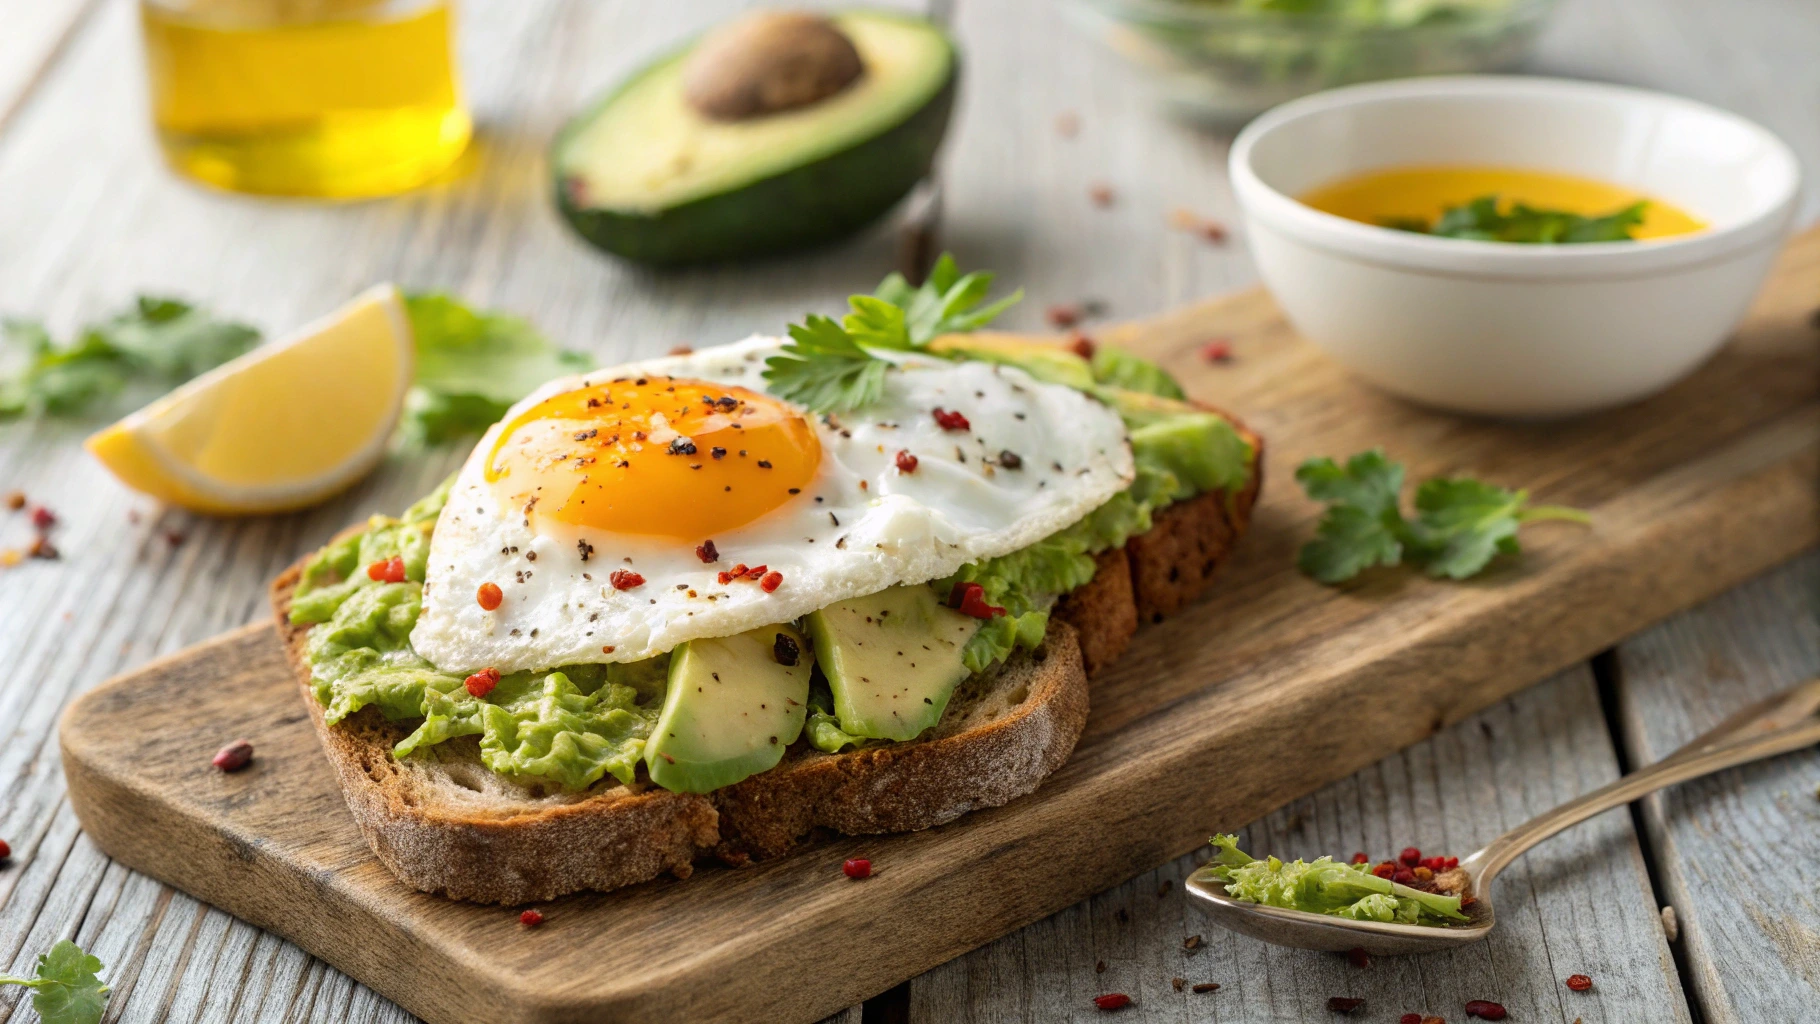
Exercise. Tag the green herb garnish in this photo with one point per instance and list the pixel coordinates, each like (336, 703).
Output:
(65, 989)
(159, 340)
(1327, 886)
(472, 365)
(830, 367)
(1460, 525)
(1482, 220)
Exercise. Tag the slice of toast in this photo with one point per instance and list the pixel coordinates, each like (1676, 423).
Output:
(442, 822)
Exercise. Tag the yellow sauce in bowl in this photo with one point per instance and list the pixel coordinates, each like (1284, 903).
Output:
(1424, 193)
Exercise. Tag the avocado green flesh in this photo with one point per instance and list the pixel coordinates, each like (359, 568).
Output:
(643, 175)
(1050, 364)
(730, 710)
(892, 660)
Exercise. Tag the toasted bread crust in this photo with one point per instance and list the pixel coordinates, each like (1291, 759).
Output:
(445, 824)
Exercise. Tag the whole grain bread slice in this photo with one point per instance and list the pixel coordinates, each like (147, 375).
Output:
(442, 822)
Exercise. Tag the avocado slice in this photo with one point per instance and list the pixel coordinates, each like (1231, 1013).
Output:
(733, 704)
(892, 659)
(684, 164)
(1048, 363)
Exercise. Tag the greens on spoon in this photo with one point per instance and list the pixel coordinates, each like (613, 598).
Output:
(1326, 886)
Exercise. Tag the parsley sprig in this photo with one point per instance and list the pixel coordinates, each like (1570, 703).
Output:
(1460, 524)
(831, 367)
(65, 988)
(1483, 220)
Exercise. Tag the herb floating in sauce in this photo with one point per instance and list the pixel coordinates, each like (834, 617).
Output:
(1327, 886)
(1460, 525)
(65, 989)
(1482, 220)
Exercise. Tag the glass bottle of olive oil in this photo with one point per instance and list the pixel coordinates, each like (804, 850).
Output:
(328, 98)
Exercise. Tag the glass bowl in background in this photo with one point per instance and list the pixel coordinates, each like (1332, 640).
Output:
(1228, 60)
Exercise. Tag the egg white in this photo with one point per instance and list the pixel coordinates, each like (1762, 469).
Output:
(859, 527)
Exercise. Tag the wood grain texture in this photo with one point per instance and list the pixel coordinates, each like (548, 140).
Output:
(1706, 485)
(1579, 904)
(1735, 852)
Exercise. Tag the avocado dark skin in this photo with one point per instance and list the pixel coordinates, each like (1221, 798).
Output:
(796, 209)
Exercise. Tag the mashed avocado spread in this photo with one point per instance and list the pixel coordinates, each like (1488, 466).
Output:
(572, 725)
(1327, 886)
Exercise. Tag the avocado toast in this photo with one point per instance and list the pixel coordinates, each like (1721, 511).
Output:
(899, 702)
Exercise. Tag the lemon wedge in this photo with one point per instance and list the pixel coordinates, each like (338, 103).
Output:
(285, 426)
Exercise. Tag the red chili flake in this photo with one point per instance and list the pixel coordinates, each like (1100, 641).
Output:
(951, 420)
(1344, 1004)
(1435, 863)
(970, 598)
(771, 582)
(42, 548)
(1485, 1009)
(1357, 957)
(530, 919)
(707, 552)
(174, 538)
(1360, 858)
(1081, 345)
(1101, 194)
(607, 649)
(6, 852)
(1434, 1020)
(1064, 314)
(481, 683)
(1403, 876)
(1384, 870)
(43, 518)
(682, 350)
(906, 462)
(1579, 982)
(1112, 1001)
(1410, 856)
(389, 571)
(1187, 220)
(234, 756)
(625, 580)
(489, 596)
(1452, 862)
(1467, 901)
(1410, 1018)
(856, 868)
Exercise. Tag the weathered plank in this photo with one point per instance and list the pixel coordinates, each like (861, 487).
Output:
(1579, 904)
(1735, 853)
(35, 34)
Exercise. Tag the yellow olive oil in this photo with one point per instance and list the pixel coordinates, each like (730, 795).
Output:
(1423, 193)
(327, 98)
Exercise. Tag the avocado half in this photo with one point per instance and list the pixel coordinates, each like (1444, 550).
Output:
(644, 175)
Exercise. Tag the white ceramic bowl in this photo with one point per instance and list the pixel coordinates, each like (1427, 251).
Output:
(1527, 331)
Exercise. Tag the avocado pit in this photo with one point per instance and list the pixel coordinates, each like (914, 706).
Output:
(769, 62)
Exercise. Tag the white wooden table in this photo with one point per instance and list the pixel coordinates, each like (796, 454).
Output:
(88, 219)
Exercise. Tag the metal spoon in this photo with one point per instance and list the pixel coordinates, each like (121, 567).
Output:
(1778, 725)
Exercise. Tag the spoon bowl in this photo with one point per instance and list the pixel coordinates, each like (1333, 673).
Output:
(1778, 725)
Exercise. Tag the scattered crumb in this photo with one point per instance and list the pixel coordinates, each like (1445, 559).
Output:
(15, 500)
(1064, 314)
(1099, 967)
(1344, 1004)
(1124, 916)
(1191, 943)
(174, 537)
(1207, 986)
(1161, 890)
(1671, 926)
(1101, 194)
(1177, 983)
(10, 557)
(1184, 219)
(1068, 124)
(682, 350)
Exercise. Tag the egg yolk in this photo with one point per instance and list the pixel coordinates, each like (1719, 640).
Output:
(660, 456)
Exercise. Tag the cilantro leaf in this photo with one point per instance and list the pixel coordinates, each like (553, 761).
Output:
(65, 987)
(472, 365)
(159, 341)
(945, 304)
(825, 369)
(831, 367)
(1460, 526)
(1482, 219)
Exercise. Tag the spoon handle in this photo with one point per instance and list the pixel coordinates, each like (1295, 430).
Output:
(1777, 726)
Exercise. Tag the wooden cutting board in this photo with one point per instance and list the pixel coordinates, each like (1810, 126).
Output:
(1266, 690)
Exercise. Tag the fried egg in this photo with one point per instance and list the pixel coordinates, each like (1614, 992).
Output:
(611, 510)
